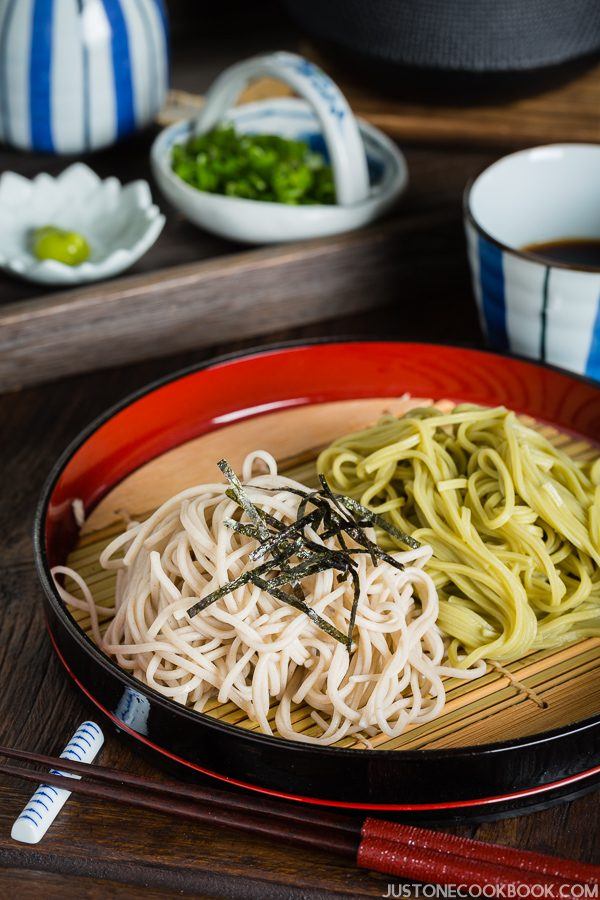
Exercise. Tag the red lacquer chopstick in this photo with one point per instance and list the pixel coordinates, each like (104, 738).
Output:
(388, 847)
(468, 848)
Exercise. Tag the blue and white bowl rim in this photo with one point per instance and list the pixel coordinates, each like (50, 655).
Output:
(502, 245)
(381, 151)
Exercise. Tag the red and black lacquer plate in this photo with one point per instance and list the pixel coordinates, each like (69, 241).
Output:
(477, 779)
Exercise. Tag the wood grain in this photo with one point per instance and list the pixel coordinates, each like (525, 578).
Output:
(285, 434)
(570, 108)
(193, 289)
(27, 884)
(200, 304)
(95, 852)
(89, 844)
(567, 112)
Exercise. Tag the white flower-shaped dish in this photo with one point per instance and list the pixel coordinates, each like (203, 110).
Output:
(119, 223)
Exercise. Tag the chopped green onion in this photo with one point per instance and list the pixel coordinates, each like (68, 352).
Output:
(254, 167)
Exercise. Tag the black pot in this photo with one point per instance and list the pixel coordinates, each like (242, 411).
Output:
(457, 47)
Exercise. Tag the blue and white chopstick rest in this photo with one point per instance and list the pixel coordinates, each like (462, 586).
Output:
(47, 802)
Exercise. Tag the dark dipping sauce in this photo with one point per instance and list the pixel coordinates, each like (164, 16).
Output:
(576, 252)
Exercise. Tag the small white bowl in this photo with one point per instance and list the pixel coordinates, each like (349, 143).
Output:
(370, 172)
(545, 310)
(119, 223)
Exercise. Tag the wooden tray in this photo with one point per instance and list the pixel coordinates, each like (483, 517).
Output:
(228, 298)
(543, 691)
(194, 290)
(568, 112)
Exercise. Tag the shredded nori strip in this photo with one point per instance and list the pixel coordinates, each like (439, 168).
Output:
(330, 495)
(301, 605)
(243, 579)
(371, 548)
(240, 495)
(271, 543)
(337, 515)
(244, 528)
(374, 519)
(221, 592)
(293, 574)
(340, 522)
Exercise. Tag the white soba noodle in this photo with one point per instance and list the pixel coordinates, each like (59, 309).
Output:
(256, 651)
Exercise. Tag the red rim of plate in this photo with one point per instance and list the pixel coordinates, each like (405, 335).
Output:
(219, 362)
(318, 801)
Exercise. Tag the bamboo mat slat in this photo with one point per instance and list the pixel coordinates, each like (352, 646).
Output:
(544, 690)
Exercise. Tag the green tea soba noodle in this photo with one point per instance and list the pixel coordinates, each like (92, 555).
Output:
(514, 523)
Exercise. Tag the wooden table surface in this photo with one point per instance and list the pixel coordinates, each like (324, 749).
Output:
(94, 850)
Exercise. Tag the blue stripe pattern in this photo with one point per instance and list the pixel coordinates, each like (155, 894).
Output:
(40, 72)
(31, 809)
(22, 816)
(83, 731)
(47, 801)
(67, 753)
(592, 368)
(544, 314)
(85, 59)
(121, 60)
(50, 787)
(30, 119)
(165, 24)
(5, 59)
(152, 54)
(491, 274)
(34, 810)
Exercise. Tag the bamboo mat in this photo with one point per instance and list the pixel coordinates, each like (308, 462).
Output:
(542, 691)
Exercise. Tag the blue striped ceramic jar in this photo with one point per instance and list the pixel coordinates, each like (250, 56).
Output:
(549, 312)
(78, 75)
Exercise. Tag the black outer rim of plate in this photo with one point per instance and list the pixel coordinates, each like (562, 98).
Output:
(480, 809)
(85, 644)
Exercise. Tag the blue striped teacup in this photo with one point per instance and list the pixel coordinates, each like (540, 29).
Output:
(77, 75)
(545, 310)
